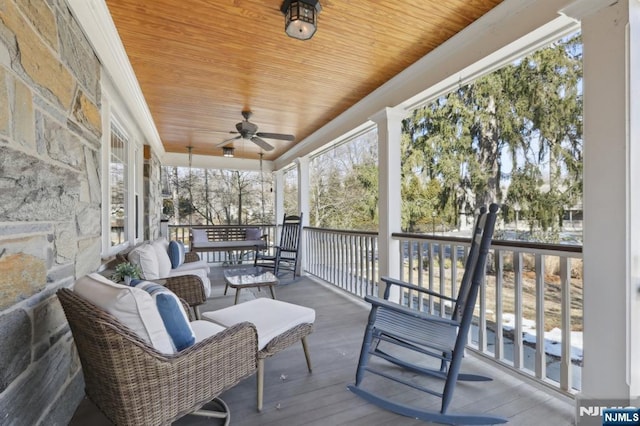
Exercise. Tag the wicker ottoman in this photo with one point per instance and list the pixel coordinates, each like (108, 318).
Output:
(279, 325)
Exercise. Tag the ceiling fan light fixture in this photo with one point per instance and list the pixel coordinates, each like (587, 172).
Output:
(228, 151)
(301, 18)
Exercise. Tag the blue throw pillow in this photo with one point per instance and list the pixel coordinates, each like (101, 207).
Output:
(172, 313)
(176, 253)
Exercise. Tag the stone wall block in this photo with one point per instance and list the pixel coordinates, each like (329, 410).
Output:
(62, 274)
(92, 162)
(37, 60)
(87, 113)
(47, 108)
(49, 291)
(37, 389)
(77, 54)
(152, 197)
(41, 16)
(62, 145)
(65, 243)
(64, 408)
(32, 190)
(48, 321)
(88, 259)
(5, 111)
(88, 219)
(15, 351)
(23, 116)
(5, 54)
(41, 143)
(9, 55)
(21, 276)
(12, 229)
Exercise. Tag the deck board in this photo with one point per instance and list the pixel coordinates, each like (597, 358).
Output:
(293, 396)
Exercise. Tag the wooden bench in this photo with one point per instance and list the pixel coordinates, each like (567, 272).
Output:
(227, 238)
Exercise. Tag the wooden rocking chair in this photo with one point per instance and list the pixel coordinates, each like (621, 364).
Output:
(285, 255)
(430, 335)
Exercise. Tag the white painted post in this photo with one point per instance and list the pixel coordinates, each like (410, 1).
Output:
(303, 205)
(278, 203)
(389, 122)
(611, 197)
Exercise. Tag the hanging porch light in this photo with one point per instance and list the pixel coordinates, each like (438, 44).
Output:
(301, 18)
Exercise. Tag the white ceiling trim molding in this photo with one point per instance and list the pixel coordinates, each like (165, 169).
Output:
(213, 162)
(96, 22)
(582, 8)
(508, 31)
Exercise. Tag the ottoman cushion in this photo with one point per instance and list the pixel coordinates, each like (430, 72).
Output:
(271, 317)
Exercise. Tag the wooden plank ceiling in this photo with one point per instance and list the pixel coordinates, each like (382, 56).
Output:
(201, 62)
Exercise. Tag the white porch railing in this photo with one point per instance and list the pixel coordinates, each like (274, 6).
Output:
(528, 287)
(346, 259)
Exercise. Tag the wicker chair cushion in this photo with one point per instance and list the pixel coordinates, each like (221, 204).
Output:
(173, 316)
(164, 262)
(133, 307)
(191, 266)
(203, 329)
(146, 258)
(271, 317)
(201, 273)
(199, 235)
(176, 253)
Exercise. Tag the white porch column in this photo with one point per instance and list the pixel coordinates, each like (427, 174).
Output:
(389, 167)
(611, 202)
(278, 193)
(303, 204)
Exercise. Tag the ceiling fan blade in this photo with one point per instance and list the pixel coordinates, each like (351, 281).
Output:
(261, 143)
(226, 141)
(278, 136)
(206, 131)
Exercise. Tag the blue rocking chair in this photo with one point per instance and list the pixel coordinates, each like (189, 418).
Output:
(428, 335)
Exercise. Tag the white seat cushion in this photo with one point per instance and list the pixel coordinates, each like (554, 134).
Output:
(271, 317)
(201, 273)
(190, 266)
(203, 329)
(146, 258)
(133, 307)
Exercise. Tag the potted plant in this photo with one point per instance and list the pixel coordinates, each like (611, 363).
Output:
(126, 272)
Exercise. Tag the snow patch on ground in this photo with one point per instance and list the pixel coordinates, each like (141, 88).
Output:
(552, 338)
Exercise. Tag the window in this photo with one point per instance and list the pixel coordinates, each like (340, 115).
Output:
(118, 187)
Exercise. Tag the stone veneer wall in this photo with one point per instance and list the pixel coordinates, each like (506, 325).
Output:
(50, 195)
(152, 195)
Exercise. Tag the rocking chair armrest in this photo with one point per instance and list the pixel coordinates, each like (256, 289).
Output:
(377, 302)
(409, 286)
(187, 287)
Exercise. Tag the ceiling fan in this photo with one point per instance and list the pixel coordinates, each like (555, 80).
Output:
(247, 130)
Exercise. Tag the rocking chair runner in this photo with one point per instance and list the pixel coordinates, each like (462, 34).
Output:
(418, 332)
(285, 254)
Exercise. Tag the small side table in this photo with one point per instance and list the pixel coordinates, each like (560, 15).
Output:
(247, 277)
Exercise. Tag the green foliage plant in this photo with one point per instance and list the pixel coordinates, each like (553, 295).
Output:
(126, 269)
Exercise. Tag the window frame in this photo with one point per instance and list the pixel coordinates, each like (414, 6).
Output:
(115, 115)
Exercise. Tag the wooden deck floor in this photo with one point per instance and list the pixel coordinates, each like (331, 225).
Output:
(292, 396)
